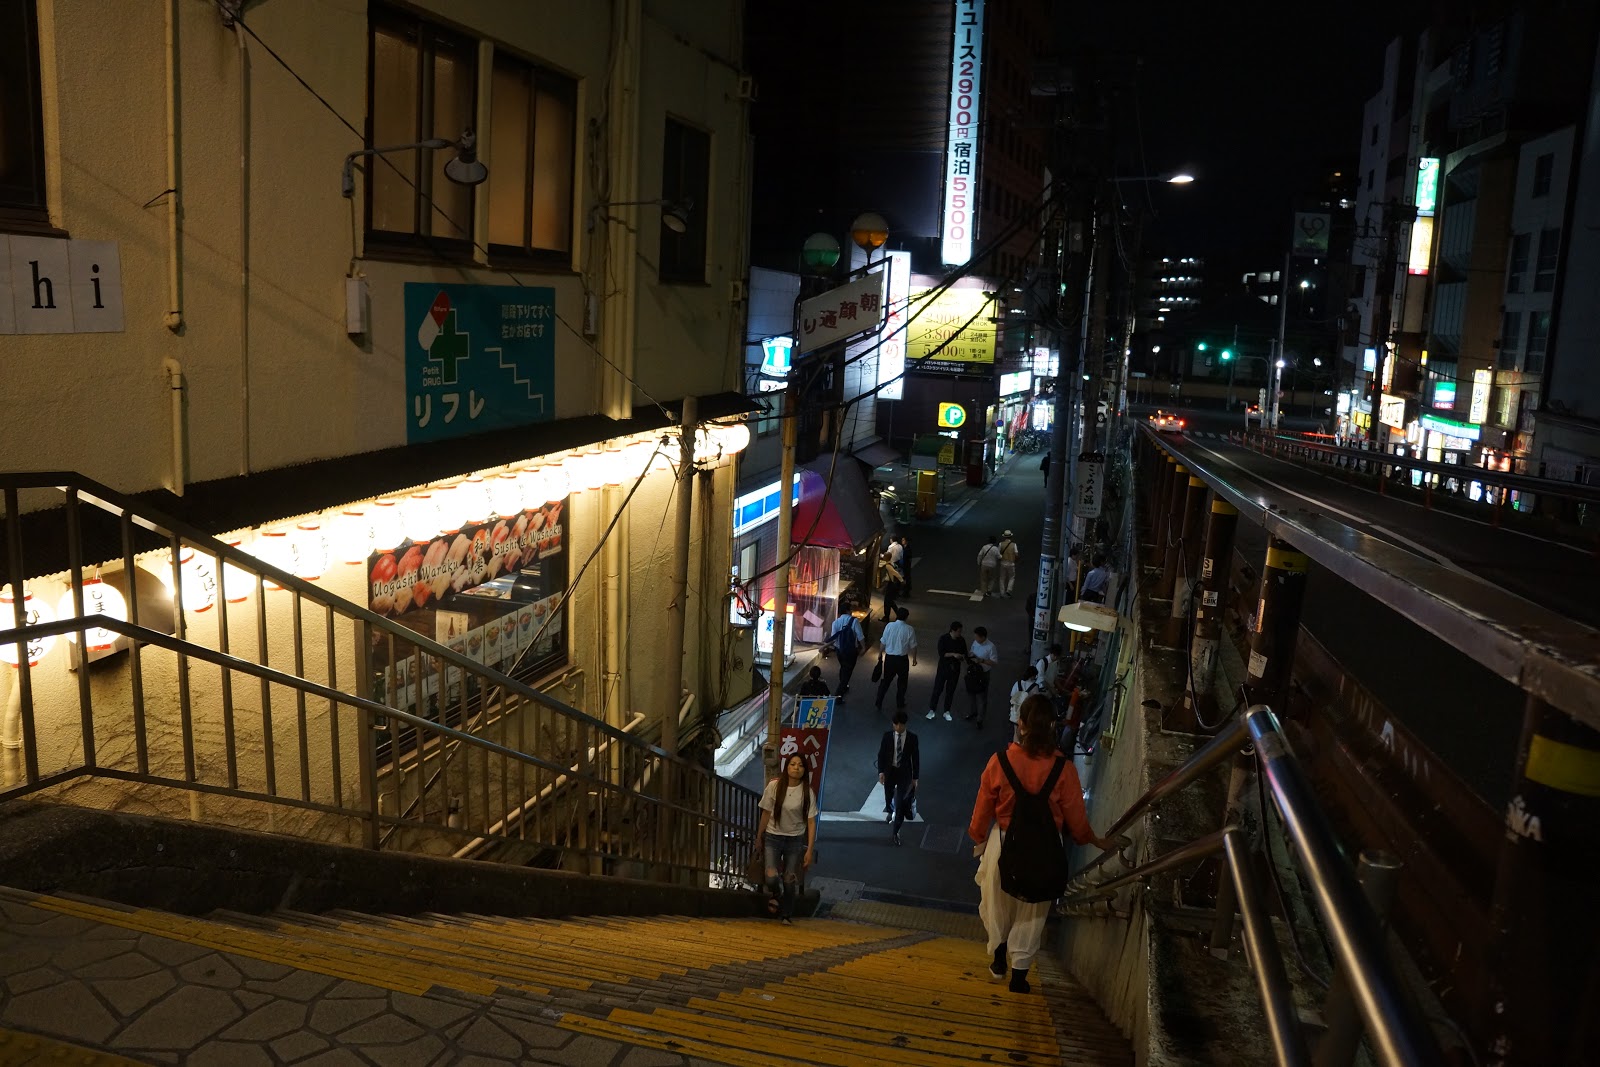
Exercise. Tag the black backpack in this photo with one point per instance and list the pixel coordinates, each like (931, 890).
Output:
(845, 641)
(1033, 860)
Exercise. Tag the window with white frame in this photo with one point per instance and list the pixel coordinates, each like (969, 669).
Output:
(1544, 270)
(1517, 267)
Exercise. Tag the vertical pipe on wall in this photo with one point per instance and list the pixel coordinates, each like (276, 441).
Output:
(174, 316)
(621, 263)
(677, 613)
(244, 250)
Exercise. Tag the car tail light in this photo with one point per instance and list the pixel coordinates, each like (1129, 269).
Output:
(1180, 424)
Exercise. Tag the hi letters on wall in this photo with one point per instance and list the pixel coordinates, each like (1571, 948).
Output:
(51, 285)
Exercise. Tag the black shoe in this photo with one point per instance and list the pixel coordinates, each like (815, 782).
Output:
(888, 816)
(997, 969)
(897, 837)
(969, 718)
(1019, 981)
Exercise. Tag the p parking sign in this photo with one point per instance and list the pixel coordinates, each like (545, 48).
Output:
(952, 416)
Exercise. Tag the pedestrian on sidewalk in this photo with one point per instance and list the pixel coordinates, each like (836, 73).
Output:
(1044, 465)
(893, 588)
(988, 565)
(898, 654)
(952, 654)
(1015, 927)
(1021, 690)
(1008, 563)
(847, 639)
(902, 562)
(814, 686)
(899, 766)
(982, 659)
(1097, 581)
(788, 833)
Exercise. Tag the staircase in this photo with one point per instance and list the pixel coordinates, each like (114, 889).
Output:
(125, 984)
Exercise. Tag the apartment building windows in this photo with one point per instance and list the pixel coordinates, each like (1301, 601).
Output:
(1543, 167)
(532, 124)
(422, 83)
(1510, 341)
(1544, 271)
(22, 189)
(1538, 338)
(1517, 268)
(685, 182)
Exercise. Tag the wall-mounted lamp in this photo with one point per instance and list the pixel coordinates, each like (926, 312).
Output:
(464, 169)
(1084, 616)
(674, 213)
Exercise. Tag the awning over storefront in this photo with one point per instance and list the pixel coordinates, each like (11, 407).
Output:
(877, 454)
(842, 517)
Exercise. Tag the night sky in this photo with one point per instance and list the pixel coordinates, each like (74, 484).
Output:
(1255, 100)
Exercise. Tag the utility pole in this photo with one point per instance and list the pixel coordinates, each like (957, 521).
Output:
(1274, 368)
(677, 618)
(780, 580)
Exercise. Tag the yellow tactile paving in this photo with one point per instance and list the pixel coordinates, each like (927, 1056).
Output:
(950, 923)
(714, 1051)
(701, 943)
(29, 1050)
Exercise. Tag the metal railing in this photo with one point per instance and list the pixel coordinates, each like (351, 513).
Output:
(265, 708)
(1393, 1026)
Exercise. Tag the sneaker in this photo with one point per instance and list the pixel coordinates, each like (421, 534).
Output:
(947, 717)
(790, 922)
(897, 837)
(888, 815)
(997, 967)
(932, 713)
(1019, 979)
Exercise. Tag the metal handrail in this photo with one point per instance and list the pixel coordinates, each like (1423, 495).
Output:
(596, 796)
(1392, 1023)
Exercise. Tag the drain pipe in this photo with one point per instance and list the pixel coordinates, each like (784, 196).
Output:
(244, 250)
(180, 444)
(174, 317)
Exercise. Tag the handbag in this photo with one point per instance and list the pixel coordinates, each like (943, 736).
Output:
(877, 670)
(755, 869)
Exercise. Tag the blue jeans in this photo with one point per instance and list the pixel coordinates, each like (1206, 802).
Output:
(783, 859)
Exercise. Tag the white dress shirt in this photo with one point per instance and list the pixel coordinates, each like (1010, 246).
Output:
(899, 639)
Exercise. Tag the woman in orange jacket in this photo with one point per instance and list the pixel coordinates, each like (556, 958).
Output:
(1015, 926)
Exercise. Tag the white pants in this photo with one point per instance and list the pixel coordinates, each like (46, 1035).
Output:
(1009, 921)
(1008, 577)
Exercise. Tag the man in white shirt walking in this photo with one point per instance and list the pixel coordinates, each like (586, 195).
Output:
(899, 655)
(1008, 563)
(982, 658)
(988, 566)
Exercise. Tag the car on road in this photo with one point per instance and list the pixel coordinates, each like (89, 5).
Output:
(1252, 419)
(1166, 422)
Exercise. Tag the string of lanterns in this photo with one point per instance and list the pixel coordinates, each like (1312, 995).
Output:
(307, 547)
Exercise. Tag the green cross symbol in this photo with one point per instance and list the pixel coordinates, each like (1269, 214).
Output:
(449, 348)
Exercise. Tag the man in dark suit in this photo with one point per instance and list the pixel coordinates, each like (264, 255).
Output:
(899, 764)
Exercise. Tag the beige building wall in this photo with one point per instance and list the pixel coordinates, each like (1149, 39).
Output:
(256, 323)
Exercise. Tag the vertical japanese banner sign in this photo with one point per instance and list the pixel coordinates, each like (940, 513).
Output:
(961, 141)
(892, 349)
(478, 358)
(1087, 499)
(813, 716)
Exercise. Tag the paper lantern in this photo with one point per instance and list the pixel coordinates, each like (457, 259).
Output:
(556, 484)
(236, 582)
(274, 547)
(591, 472)
(735, 438)
(472, 500)
(616, 465)
(419, 517)
(310, 550)
(531, 487)
(505, 494)
(446, 501)
(388, 528)
(98, 599)
(198, 573)
(34, 613)
(352, 536)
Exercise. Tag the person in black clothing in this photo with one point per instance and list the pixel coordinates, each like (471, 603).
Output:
(814, 686)
(952, 657)
(899, 764)
(1044, 465)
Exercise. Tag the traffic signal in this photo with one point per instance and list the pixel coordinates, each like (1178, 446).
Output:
(1227, 354)
(1201, 346)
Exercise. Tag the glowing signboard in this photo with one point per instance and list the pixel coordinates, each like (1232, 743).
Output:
(892, 349)
(1450, 427)
(1016, 382)
(950, 330)
(1444, 394)
(1392, 411)
(952, 416)
(1427, 185)
(961, 138)
(1478, 410)
(1421, 245)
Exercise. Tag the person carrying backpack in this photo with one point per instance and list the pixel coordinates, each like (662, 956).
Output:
(847, 640)
(1027, 795)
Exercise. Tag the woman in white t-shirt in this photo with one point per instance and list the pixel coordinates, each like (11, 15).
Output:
(1022, 690)
(788, 832)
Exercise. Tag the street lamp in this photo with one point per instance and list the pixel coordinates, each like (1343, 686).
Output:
(674, 214)
(819, 253)
(465, 169)
(1175, 178)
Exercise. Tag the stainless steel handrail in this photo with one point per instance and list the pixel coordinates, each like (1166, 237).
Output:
(1398, 1035)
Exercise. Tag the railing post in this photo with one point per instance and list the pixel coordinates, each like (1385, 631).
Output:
(1277, 624)
(1272, 981)
(1167, 536)
(1186, 555)
(1244, 765)
(1543, 915)
(1379, 875)
(366, 757)
(1200, 704)
(1161, 493)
